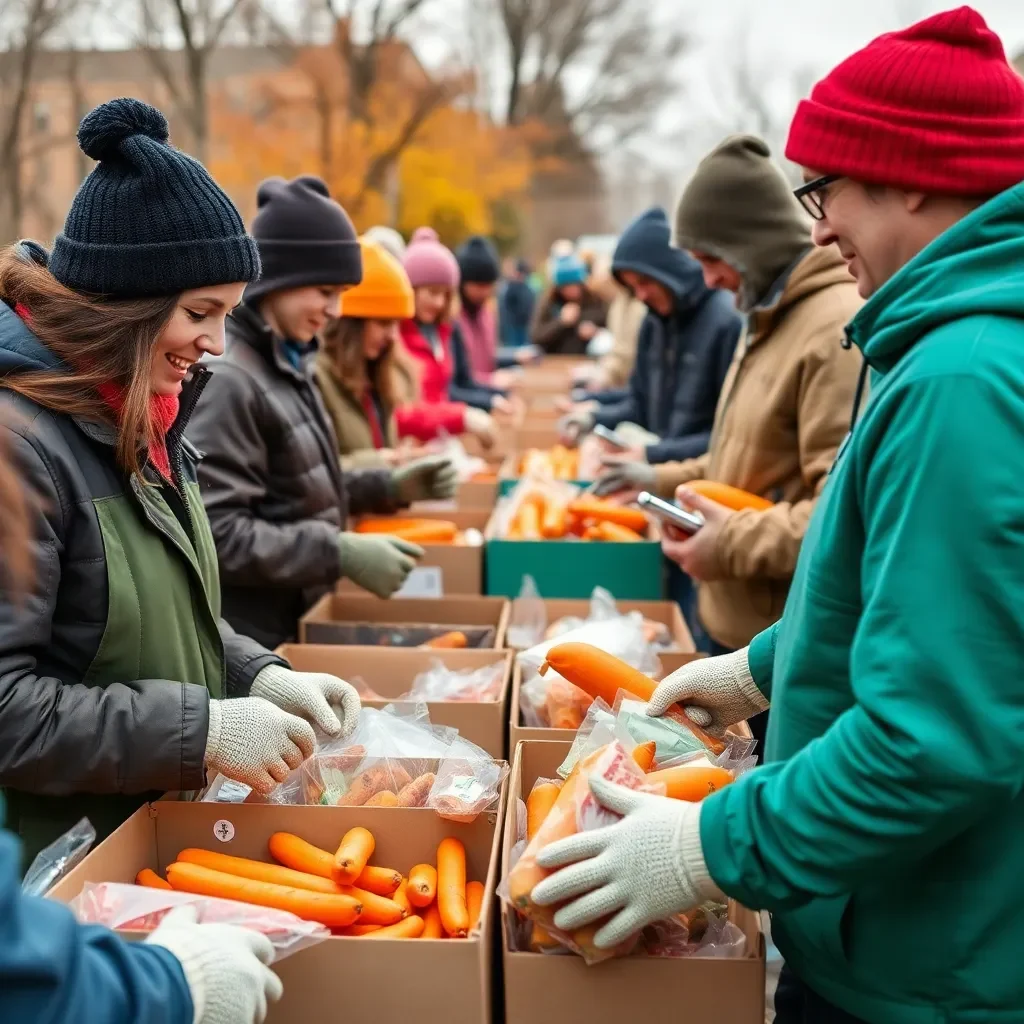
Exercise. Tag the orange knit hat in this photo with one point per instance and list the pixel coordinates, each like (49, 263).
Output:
(384, 292)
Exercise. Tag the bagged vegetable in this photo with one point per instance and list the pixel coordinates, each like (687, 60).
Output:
(53, 862)
(468, 782)
(528, 618)
(137, 908)
(440, 683)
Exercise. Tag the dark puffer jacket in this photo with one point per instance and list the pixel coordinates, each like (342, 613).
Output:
(272, 482)
(108, 667)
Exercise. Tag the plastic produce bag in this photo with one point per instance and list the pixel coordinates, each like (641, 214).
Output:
(529, 618)
(137, 908)
(440, 683)
(468, 782)
(56, 860)
(704, 931)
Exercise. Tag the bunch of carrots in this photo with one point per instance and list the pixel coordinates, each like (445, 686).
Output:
(341, 890)
(542, 516)
(558, 463)
(416, 531)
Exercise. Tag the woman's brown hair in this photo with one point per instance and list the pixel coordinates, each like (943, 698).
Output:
(394, 377)
(100, 341)
(15, 553)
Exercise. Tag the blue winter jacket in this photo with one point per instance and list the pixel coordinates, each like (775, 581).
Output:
(681, 359)
(55, 971)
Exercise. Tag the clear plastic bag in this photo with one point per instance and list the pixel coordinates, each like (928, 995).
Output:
(468, 782)
(529, 618)
(137, 908)
(704, 931)
(440, 683)
(53, 862)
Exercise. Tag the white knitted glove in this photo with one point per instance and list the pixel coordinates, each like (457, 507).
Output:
(647, 867)
(251, 741)
(323, 700)
(722, 690)
(224, 966)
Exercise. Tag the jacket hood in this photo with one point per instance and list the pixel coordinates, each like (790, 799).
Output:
(645, 248)
(974, 268)
(20, 350)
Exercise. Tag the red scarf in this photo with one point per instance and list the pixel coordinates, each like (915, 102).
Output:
(163, 411)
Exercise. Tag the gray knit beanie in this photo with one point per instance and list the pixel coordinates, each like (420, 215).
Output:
(148, 220)
(738, 207)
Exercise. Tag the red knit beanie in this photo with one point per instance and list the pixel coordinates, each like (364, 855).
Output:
(935, 108)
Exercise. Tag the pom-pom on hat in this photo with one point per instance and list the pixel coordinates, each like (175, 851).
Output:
(148, 220)
(428, 262)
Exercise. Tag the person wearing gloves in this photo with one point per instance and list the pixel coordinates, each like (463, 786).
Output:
(569, 314)
(427, 335)
(685, 346)
(786, 402)
(116, 669)
(895, 774)
(366, 378)
(271, 479)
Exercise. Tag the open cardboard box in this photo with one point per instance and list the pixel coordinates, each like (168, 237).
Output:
(391, 670)
(329, 621)
(351, 979)
(444, 569)
(546, 989)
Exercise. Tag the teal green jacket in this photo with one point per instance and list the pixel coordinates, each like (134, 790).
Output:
(886, 831)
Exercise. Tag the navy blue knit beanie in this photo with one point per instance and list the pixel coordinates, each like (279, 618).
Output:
(148, 220)
(305, 237)
(478, 261)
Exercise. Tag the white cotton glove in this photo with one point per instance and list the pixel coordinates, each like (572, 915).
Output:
(325, 701)
(642, 869)
(225, 967)
(252, 741)
(716, 692)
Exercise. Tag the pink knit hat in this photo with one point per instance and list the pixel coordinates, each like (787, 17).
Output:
(428, 262)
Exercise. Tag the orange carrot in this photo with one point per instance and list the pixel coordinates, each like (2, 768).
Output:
(553, 524)
(619, 534)
(529, 521)
(416, 793)
(730, 497)
(380, 881)
(355, 849)
(385, 798)
(151, 880)
(602, 675)
(474, 902)
(354, 930)
(335, 911)
(608, 512)
(541, 799)
(693, 784)
(391, 525)
(435, 531)
(296, 853)
(411, 928)
(401, 896)
(451, 887)
(422, 888)
(366, 785)
(376, 909)
(454, 640)
(643, 754)
(432, 927)
(258, 871)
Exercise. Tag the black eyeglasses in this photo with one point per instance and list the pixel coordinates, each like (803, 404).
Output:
(809, 196)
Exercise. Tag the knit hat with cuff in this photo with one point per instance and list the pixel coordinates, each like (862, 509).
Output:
(384, 292)
(478, 261)
(428, 262)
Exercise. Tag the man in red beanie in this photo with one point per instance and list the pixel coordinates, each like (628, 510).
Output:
(885, 831)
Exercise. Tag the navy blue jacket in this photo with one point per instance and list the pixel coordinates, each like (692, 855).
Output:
(681, 359)
(516, 302)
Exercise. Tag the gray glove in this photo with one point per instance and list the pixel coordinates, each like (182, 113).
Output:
(625, 476)
(323, 700)
(377, 562)
(431, 479)
(572, 427)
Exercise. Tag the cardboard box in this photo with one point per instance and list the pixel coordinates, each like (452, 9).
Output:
(330, 620)
(350, 979)
(508, 474)
(552, 375)
(391, 670)
(518, 732)
(543, 989)
(445, 569)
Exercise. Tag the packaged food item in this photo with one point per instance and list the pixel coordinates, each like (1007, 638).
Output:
(53, 862)
(440, 683)
(468, 782)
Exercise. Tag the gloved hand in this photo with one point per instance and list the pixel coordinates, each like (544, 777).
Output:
(647, 867)
(482, 426)
(251, 741)
(716, 692)
(225, 967)
(572, 427)
(323, 700)
(431, 478)
(377, 562)
(625, 476)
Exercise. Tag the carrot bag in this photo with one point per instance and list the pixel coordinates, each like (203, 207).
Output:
(468, 782)
(137, 908)
(608, 755)
(474, 685)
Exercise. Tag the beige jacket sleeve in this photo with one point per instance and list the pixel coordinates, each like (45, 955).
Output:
(670, 475)
(365, 458)
(766, 544)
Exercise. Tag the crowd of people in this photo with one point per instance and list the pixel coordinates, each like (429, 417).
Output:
(191, 413)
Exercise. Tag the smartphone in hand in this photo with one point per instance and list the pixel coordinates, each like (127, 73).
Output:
(669, 512)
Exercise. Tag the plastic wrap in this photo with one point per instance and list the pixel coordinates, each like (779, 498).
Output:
(529, 618)
(137, 908)
(57, 859)
(468, 782)
(440, 683)
(704, 931)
